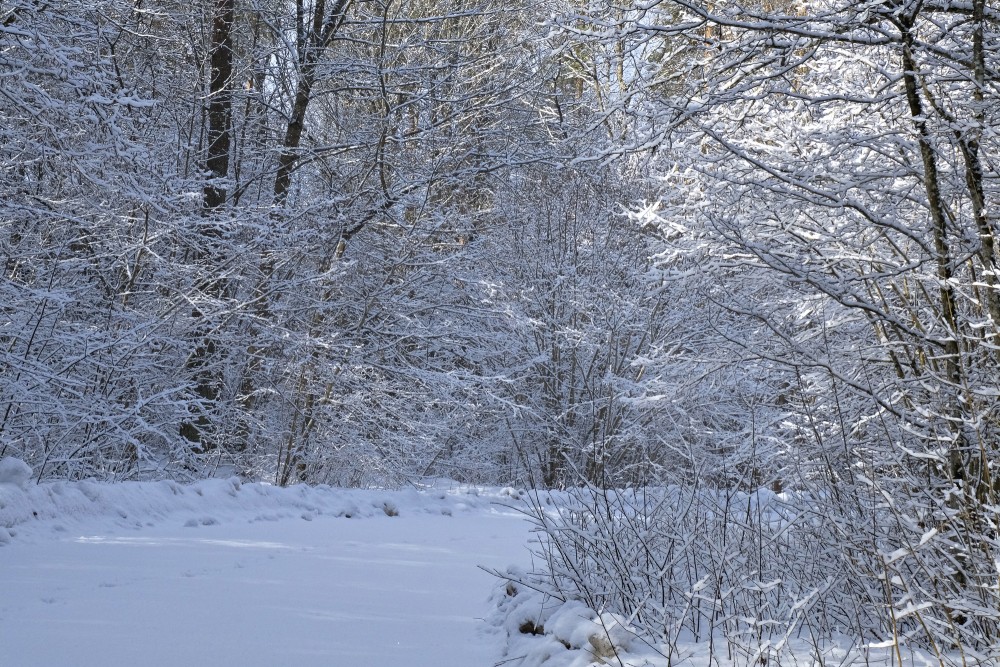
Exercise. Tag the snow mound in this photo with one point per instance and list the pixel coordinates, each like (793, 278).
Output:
(55, 506)
(546, 632)
(14, 471)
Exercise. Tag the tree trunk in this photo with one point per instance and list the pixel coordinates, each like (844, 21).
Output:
(220, 102)
(312, 44)
(201, 362)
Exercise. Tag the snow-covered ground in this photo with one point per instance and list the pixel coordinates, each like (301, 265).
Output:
(223, 573)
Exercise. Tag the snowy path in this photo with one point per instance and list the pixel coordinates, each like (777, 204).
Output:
(377, 592)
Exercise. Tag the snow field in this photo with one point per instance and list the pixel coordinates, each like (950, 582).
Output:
(224, 573)
(229, 573)
(36, 509)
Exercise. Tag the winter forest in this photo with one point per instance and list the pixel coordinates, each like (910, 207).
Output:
(724, 272)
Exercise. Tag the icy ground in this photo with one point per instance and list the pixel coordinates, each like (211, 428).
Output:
(223, 573)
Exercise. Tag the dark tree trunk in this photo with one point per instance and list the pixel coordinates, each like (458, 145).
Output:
(313, 41)
(220, 102)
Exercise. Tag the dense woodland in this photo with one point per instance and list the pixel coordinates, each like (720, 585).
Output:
(716, 247)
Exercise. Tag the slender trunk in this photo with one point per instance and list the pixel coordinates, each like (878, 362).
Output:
(311, 47)
(220, 102)
(948, 311)
(313, 40)
(202, 360)
(969, 143)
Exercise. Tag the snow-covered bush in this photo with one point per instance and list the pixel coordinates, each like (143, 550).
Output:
(753, 577)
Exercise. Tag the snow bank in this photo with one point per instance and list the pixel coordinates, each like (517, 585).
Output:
(27, 509)
(14, 472)
(543, 631)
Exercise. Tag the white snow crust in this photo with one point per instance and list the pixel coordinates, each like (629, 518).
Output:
(14, 472)
(221, 572)
(225, 573)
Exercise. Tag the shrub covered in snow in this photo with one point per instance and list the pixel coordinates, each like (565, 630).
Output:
(700, 577)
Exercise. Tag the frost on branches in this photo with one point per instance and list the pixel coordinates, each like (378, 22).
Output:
(741, 255)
